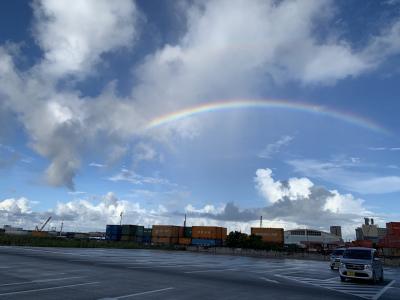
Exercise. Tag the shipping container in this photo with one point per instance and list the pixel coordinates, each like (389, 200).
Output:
(147, 231)
(146, 239)
(207, 242)
(40, 234)
(164, 240)
(113, 229)
(187, 232)
(167, 231)
(209, 232)
(363, 243)
(184, 241)
(130, 238)
(269, 235)
(113, 237)
(393, 228)
(134, 230)
(391, 252)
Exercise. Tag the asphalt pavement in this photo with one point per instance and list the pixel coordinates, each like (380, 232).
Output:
(62, 273)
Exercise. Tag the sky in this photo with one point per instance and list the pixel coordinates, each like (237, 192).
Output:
(221, 110)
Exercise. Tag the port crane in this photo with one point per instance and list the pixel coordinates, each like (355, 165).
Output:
(44, 224)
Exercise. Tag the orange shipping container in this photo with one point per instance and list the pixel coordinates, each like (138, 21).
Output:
(269, 235)
(164, 240)
(165, 231)
(40, 234)
(185, 241)
(208, 232)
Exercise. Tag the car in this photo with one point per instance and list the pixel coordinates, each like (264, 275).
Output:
(361, 263)
(335, 258)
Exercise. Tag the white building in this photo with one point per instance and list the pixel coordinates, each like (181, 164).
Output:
(305, 236)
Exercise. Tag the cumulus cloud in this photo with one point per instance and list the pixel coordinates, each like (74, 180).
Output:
(292, 203)
(73, 36)
(81, 214)
(255, 43)
(273, 191)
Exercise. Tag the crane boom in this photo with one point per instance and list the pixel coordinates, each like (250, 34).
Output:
(44, 225)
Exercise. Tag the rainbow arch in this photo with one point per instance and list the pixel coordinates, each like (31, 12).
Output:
(265, 104)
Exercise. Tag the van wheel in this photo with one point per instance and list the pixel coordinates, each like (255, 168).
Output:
(331, 268)
(374, 279)
(342, 278)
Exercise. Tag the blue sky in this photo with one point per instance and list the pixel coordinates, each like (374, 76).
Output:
(79, 86)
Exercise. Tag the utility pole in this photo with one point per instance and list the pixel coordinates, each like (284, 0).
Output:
(260, 221)
(62, 225)
(120, 220)
(184, 222)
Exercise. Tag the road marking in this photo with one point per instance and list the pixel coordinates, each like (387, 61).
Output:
(363, 291)
(277, 270)
(40, 281)
(204, 271)
(383, 290)
(138, 294)
(50, 288)
(269, 280)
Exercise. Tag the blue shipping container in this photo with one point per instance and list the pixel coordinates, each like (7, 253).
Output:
(113, 230)
(204, 242)
(113, 237)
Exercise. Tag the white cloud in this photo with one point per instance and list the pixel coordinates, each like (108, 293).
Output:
(345, 204)
(256, 43)
(344, 175)
(75, 35)
(134, 178)
(273, 191)
(96, 165)
(15, 206)
(275, 147)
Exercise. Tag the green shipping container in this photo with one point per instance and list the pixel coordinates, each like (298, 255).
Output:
(188, 232)
(132, 230)
(147, 232)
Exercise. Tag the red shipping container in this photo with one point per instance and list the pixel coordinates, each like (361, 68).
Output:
(393, 228)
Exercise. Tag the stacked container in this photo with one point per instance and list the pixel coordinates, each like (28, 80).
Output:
(269, 235)
(185, 235)
(113, 232)
(133, 233)
(147, 235)
(208, 235)
(165, 235)
(391, 242)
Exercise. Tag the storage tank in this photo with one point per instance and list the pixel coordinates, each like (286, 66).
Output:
(269, 235)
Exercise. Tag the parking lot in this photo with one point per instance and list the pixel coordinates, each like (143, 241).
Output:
(60, 273)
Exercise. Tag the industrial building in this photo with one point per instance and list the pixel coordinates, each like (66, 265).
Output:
(311, 238)
(336, 230)
(369, 231)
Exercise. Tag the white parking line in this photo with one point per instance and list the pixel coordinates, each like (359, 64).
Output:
(212, 270)
(372, 292)
(40, 281)
(139, 294)
(269, 280)
(383, 290)
(50, 288)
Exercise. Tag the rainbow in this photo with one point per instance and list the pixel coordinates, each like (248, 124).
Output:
(265, 104)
